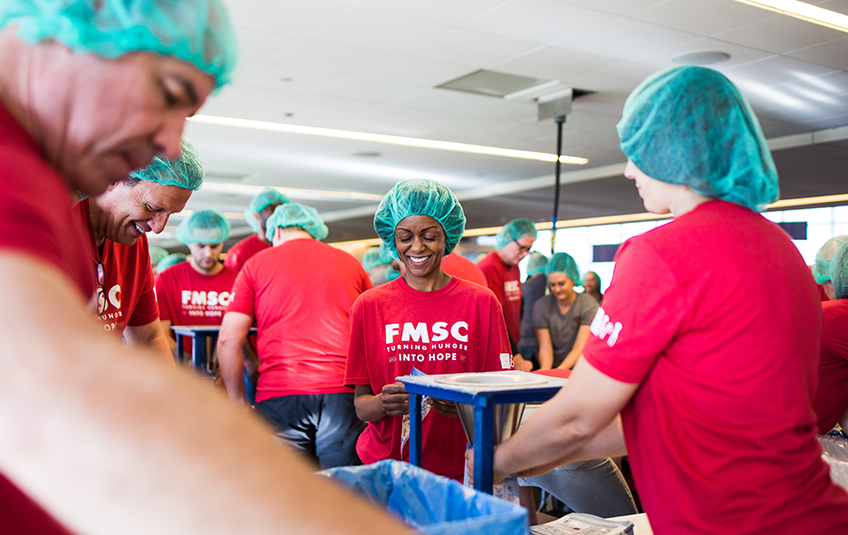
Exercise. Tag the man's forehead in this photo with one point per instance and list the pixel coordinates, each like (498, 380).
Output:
(158, 195)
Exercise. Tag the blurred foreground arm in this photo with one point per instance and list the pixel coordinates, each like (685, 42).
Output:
(111, 441)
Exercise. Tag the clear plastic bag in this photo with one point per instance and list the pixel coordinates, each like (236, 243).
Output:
(835, 454)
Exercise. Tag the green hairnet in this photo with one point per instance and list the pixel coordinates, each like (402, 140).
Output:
(821, 268)
(536, 263)
(205, 226)
(377, 256)
(420, 196)
(261, 201)
(839, 272)
(185, 172)
(196, 31)
(296, 215)
(515, 230)
(170, 260)
(157, 254)
(563, 263)
(691, 126)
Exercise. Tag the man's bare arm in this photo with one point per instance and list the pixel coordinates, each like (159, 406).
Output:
(150, 336)
(112, 441)
(231, 339)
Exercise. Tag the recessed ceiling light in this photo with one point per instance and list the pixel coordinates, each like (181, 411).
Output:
(706, 57)
(367, 154)
(803, 11)
(383, 138)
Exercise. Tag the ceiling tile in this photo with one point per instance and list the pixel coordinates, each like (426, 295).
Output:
(839, 6)
(537, 21)
(623, 39)
(469, 47)
(324, 57)
(616, 7)
(553, 63)
(415, 71)
(833, 54)
(367, 29)
(447, 12)
(284, 77)
(779, 34)
(738, 54)
(699, 17)
(369, 89)
(254, 45)
(772, 71)
(289, 17)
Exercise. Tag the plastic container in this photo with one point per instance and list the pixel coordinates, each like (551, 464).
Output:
(835, 454)
(432, 504)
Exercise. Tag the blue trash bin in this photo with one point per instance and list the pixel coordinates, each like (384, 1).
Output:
(433, 504)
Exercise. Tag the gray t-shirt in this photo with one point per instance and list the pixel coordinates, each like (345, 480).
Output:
(563, 328)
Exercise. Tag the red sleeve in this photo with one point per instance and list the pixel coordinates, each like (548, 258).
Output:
(356, 367)
(498, 354)
(494, 281)
(638, 320)
(243, 298)
(233, 259)
(147, 309)
(164, 289)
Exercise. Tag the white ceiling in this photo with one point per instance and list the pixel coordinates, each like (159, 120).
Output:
(371, 66)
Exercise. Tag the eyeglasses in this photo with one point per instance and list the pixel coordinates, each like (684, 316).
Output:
(521, 248)
(101, 288)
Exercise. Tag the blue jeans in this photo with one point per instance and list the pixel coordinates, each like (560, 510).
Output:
(324, 427)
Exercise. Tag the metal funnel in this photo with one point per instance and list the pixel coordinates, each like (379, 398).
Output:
(507, 418)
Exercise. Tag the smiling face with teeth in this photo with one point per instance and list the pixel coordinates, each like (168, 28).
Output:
(420, 242)
(126, 211)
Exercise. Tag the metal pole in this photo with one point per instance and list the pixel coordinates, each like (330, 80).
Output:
(559, 120)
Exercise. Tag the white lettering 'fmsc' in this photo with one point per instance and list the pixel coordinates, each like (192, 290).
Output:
(186, 296)
(198, 298)
(439, 331)
(455, 331)
(392, 329)
(417, 333)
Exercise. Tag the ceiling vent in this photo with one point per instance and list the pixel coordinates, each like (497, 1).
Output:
(497, 84)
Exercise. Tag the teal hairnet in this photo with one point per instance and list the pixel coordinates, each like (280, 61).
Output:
(376, 256)
(170, 260)
(691, 126)
(196, 31)
(420, 196)
(392, 273)
(185, 172)
(261, 201)
(157, 254)
(536, 263)
(839, 272)
(296, 215)
(821, 268)
(205, 226)
(514, 230)
(563, 263)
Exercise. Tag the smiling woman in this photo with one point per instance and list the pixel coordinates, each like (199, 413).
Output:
(440, 323)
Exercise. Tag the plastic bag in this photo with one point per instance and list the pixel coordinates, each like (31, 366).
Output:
(836, 455)
(433, 504)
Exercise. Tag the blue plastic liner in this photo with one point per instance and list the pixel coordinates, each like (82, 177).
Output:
(433, 504)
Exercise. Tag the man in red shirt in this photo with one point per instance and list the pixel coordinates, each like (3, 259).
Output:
(117, 223)
(831, 403)
(258, 211)
(299, 294)
(198, 291)
(713, 371)
(86, 98)
(514, 242)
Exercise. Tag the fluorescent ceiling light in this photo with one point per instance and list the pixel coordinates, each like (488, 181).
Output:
(314, 194)
(382, 138)
(803, 11)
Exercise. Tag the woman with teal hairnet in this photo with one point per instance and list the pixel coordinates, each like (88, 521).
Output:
(425, 319)
(821, 267)
(703, 343)
(831, 402)
(561, 319)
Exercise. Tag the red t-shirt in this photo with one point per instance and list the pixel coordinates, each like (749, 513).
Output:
(458, 328)
(187, 297)
(300, 294)
(715, 316)
(37, 219)
(129, 295)
(832, 394)
(505, 282)
(459, 266)
(243, 251)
